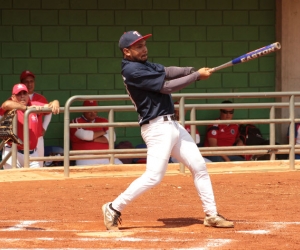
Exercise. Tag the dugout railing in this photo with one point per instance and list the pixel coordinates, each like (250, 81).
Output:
(272, 149)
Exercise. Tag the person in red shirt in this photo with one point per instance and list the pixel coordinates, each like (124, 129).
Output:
(222, 135)
(21, 102)
(28, 79)
(93, 138)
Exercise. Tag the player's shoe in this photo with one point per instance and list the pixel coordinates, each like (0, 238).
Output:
(111, 217)
(217, 221)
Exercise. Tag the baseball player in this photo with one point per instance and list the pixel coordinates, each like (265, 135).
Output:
(149, 86)
(91, 138)
(20, 101)
(28, 79)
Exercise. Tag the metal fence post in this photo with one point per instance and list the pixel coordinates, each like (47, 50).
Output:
(67, 138)
(14, 150)
(292, 132)
(111, 135)
(272, 131)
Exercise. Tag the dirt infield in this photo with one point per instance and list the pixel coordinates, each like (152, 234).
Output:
(53, 212)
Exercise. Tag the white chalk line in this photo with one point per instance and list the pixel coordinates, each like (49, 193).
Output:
(209, 244)
(21, 226)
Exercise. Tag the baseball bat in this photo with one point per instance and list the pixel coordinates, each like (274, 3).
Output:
(250, 56)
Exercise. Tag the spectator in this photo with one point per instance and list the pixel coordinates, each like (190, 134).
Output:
(20, 100)
(297, 137)
(28, 78)
(188, 129)
(221, 135)
(93, 138)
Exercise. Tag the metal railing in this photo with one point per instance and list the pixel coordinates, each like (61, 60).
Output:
(111, 153)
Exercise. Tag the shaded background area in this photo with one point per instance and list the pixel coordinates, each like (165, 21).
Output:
(71, 46)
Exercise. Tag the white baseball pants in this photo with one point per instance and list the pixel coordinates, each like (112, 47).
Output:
(20, 159)
(40, 149)
(165, 138)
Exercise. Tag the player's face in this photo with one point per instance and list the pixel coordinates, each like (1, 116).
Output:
(22, 97)
(90, 116)
(226, 114)
(29, 83)
(138, 52)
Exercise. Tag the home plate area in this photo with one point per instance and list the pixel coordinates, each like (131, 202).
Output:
(69, 235)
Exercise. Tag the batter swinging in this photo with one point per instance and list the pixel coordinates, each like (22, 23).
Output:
(149, 86)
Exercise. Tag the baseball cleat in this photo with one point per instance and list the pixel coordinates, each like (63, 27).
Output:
(111, 217)
(217, 221)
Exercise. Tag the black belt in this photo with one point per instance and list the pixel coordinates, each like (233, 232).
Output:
(172, 117)
(22, 151)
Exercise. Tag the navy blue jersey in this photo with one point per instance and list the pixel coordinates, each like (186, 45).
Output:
(143, 82)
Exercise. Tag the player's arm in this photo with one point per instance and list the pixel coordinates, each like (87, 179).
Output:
(88, 135)
(54, 106)
(10, 105)
(213, 142)
(239, 142)
(101, 136)
(101, 139)
(175, 72)
(105, 137)
(180, 83)
(46, 121)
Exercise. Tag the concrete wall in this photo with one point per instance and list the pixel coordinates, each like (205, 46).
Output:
(288, 60)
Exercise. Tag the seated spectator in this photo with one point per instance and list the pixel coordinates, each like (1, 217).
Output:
(20, 100)
(94, 138)
(188, 129)
(297, 137)
(221, 135)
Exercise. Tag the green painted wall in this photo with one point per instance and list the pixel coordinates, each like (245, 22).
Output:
(71, 46)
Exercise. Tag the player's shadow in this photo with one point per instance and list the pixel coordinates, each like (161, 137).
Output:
(179, 222)
(172, 223)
